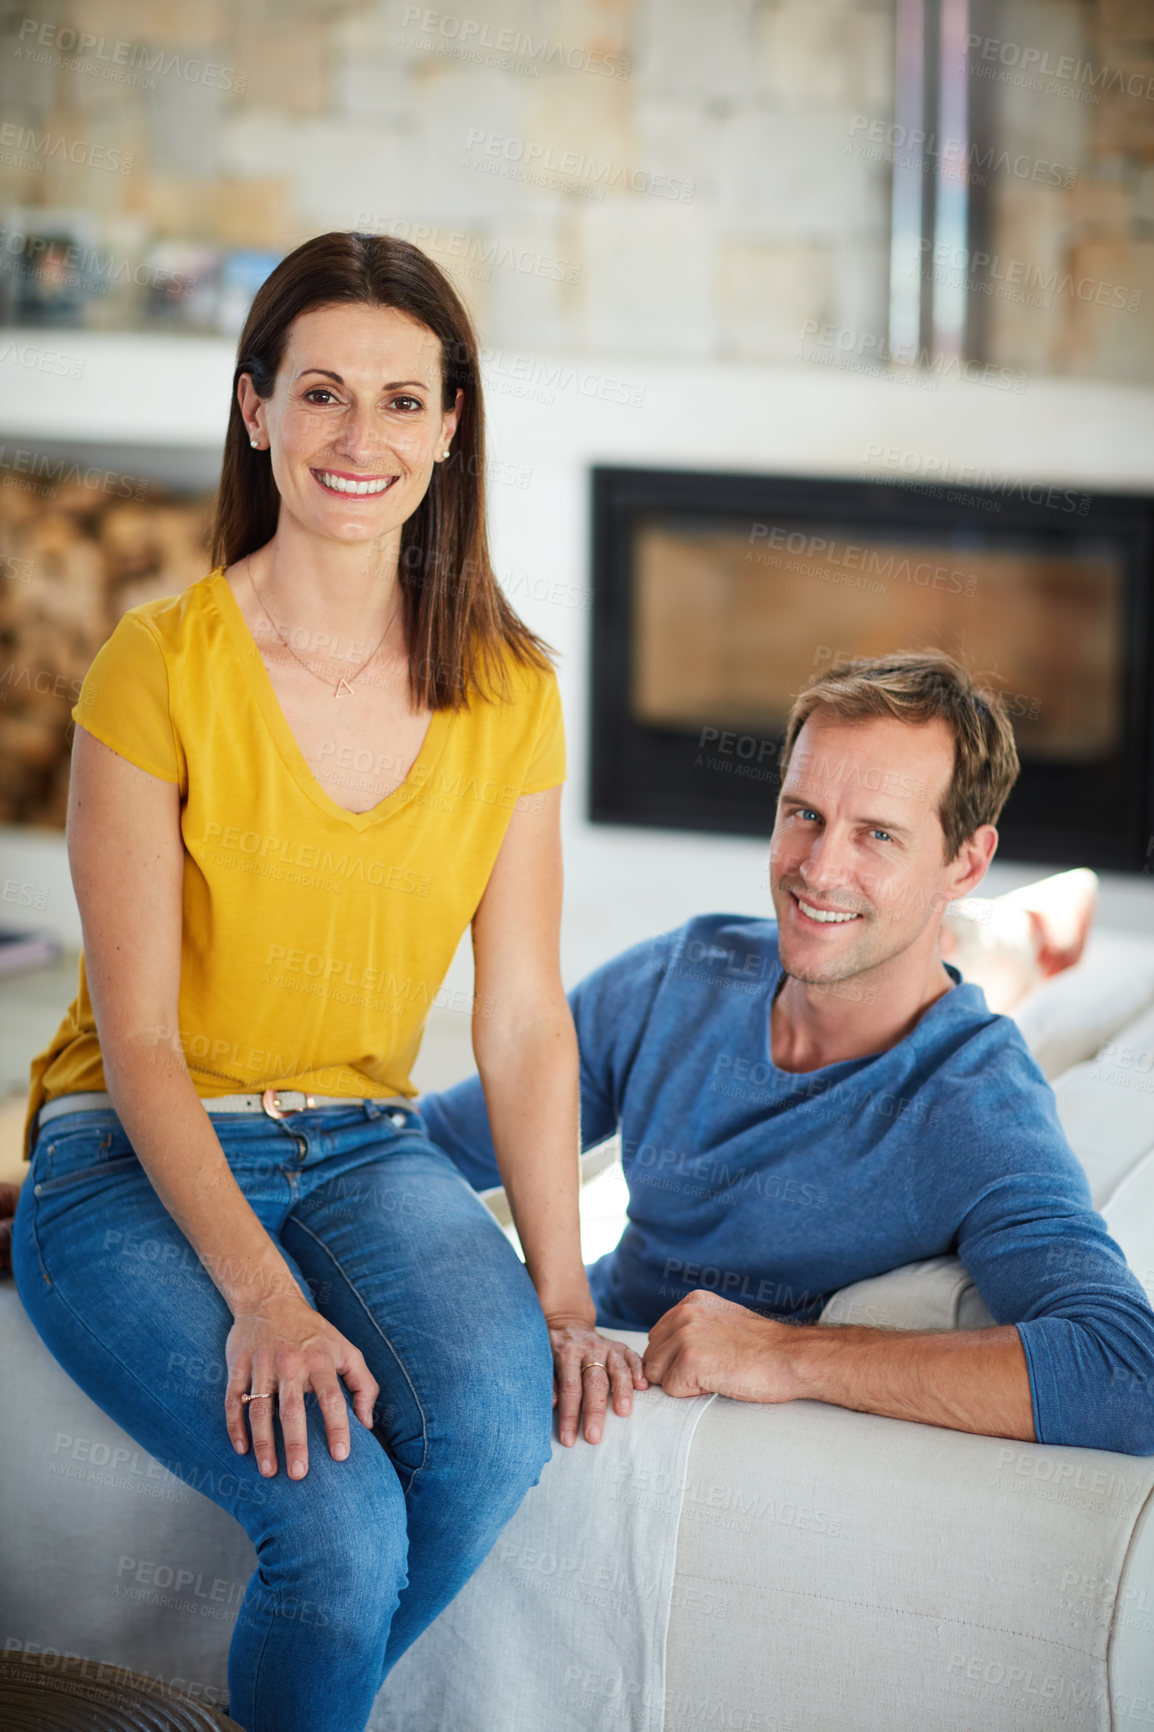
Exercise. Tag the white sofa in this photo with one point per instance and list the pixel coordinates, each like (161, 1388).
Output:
(805, 1567)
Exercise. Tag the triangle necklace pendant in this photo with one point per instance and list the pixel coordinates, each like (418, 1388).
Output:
(343, 686)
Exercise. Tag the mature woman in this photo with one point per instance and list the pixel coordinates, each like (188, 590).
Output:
(294, 785)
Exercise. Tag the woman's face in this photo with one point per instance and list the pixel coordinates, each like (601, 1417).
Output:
(354, 424)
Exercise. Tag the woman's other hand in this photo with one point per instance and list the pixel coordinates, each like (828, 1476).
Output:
(279, 1352)
(587, 1369)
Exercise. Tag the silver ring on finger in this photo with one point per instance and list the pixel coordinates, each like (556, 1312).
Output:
(266, 1395)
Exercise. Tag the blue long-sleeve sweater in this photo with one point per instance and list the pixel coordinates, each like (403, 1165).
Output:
(775, 1189)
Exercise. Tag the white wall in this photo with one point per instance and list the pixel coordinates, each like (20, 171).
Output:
(549, 419)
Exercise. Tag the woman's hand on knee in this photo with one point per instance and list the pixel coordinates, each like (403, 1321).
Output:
(275, 1355)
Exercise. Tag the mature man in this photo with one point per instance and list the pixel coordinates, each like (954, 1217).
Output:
(810, 1101)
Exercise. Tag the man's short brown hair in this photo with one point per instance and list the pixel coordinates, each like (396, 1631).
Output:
(919, 686)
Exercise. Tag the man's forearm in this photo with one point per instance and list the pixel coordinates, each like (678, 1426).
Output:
(972, 1380)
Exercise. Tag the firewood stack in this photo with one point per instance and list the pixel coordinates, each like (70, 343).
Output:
(72, 560)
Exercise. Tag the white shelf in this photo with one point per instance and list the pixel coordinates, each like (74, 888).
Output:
(130, 389)
(173, 392)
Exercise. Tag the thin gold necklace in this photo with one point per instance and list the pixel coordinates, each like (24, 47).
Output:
(344, 684)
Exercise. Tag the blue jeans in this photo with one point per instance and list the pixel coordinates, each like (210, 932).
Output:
(390, 1243)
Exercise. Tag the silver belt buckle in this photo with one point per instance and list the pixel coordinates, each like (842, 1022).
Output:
(271, 1104)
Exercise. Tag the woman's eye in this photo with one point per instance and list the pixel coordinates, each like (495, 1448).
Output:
(317, 391)
(415, 401)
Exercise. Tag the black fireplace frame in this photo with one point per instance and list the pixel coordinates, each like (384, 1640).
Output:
(641, 776)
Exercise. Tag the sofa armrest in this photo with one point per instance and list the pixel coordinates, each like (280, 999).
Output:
(935, 1294)
(891, 1577)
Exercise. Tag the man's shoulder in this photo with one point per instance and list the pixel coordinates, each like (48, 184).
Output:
(727, 929)
(704, 941)
(961, 1021)
(980, 1060)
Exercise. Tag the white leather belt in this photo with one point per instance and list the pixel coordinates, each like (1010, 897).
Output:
(275, 1102)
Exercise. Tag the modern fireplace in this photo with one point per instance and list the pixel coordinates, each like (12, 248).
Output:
(717, 596)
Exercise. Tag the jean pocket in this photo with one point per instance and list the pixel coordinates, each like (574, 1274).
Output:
(76, 1148)
(61, 1181)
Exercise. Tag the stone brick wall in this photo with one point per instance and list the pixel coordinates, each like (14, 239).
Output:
(1073, 84)
(652, 178)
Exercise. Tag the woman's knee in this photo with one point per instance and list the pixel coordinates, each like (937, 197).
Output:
(335, 1540)
(496, 1431)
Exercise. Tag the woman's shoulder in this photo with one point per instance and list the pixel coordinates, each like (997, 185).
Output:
(521, 722)
(512, 677)
(170, 620)
(532, 674)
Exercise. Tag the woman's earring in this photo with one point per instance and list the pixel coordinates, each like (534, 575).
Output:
(444, 453)
(255, 443)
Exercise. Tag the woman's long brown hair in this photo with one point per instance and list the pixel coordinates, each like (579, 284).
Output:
(458, 625)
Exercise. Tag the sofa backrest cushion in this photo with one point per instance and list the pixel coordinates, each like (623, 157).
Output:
(1068, 1018)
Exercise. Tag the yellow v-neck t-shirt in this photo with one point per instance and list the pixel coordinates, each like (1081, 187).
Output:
(314, 940)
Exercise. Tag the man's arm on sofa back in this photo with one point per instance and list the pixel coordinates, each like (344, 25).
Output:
(1003, 1178)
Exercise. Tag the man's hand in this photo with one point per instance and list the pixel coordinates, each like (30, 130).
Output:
(707, 1345)
(8, 1196)
(969, 1379)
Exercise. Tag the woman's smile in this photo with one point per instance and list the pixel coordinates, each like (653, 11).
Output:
(352, 486)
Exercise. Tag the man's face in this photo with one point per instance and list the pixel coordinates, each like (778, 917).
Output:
(856, 864)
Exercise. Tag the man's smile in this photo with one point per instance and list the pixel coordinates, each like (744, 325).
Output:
(813, 914)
